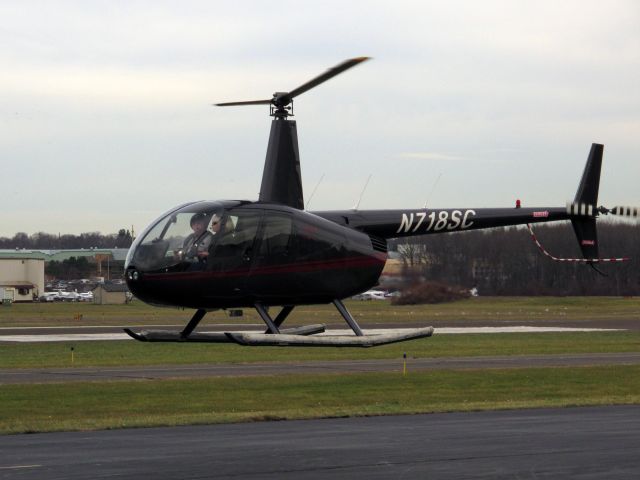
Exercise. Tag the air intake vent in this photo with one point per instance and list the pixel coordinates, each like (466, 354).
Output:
(378, 244)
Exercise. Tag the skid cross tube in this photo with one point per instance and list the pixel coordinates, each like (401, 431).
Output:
(193, 323)
(348, 318)
(284, 313)
(272, 328)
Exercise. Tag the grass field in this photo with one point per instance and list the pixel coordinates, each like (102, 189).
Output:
(368, 313)
(127, 352)
(99, 405)
(89, 406)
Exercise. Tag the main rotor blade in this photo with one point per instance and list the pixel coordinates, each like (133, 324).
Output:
(281, 99)
(332, 72)
(248, 102)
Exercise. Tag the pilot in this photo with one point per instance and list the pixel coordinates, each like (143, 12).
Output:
(196, 245)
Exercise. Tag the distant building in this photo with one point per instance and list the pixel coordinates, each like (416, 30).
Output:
(109, 262)
(111, 294)
(393, 272)
(21, 279)
(115, 254)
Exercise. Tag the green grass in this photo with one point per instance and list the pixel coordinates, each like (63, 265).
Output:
(117, 353)
(89, 406)
(368, 313)
(57, 314)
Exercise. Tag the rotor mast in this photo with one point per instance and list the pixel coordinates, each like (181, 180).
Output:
(281, 177)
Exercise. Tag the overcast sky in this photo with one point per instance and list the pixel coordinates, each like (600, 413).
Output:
(106, 118)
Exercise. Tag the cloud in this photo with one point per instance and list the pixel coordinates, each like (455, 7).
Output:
(114, 99)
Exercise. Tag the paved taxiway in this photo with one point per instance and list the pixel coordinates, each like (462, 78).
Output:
(570, 443)
(631, 324)
(66, 334)
(156, 372)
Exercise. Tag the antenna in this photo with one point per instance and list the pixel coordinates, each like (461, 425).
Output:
(314, 191)
(355, 207)
(432, 190)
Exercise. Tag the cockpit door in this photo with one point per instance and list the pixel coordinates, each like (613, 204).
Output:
(273, 264)
(233, 251)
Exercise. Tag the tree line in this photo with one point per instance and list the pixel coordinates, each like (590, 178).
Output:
(70, 268)
(48, 241)
(506, 261)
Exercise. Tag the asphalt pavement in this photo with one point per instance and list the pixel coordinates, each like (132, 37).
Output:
(569, 443)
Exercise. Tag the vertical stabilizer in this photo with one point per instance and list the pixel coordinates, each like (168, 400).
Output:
(585, 202)
(589, 185)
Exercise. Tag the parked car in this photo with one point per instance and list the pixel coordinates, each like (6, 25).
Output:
(48, 297)
(371, 295)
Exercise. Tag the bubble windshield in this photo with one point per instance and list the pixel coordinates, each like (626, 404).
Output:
(179, 239)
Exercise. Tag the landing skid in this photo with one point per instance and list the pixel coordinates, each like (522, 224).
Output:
(284, 340)
(212, 337)
(275, 336)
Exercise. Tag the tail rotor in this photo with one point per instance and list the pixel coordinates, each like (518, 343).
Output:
(623, 211)
(583, 213)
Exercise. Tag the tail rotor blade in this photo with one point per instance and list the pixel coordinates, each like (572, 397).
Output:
(626, 211)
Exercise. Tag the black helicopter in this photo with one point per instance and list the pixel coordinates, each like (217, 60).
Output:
(231, 254)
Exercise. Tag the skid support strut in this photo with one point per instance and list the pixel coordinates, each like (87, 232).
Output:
(284, 313)
(348, 318)
(271, 326)
(193, 323)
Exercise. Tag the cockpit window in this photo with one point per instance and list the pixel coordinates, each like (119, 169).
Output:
(180, 240)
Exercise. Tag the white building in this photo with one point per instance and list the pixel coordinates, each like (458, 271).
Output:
(21, 279)
(111, 294)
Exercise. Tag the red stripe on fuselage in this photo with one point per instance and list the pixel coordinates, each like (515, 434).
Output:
(302, 267)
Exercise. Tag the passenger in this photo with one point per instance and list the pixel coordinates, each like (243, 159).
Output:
(196, 245)
(216, 225)
(229, 227)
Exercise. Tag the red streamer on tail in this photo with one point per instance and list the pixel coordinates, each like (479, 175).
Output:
(576, 260)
